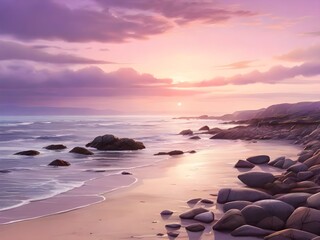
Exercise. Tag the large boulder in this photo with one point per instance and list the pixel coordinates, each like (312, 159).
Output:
(256, 179)
(250, 231)
(305, 219)
(28, 153)
(253, 214)
(276, 208)
(111, 143)
(55, 147)
(59, 163)
(294, 199)
(231, 220)
(290, 234)
(81, 150)
(259, 159)
(314, 201)
(243, 194)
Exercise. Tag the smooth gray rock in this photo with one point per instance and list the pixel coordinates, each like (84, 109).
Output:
(294, 199)
(298, 167)
(192, 213)
(276, 208)
(204, 128)
(259, 159)
(173, 226)
(186, 132)
(206, 217)
(173, 234)
(235, 205)
(305, 219)
(195, 138)
(195, 227)
(206, 201)
(288, 163)
(243, 194)
(231, 220)
(244, 164)
(166, 213)
(271, 223)
(290, 234)
(250, 231)
(314, 201)
(305, 175)
(194, 201)
(81, 150)
(253, 214)
(55, 147)
(256, 179)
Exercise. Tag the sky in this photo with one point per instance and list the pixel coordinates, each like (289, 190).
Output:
(158, 56)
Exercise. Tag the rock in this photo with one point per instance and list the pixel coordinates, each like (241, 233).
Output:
(195, 228)
(195, 138)
(272, 163)
(166, 213)
(55, 147)
(173, 226)
(279, 163)
(186, 132)
(250, 231)
(294, 199)
(315, 169)
(304, 175)
(244, 164)
(276, 208)
(160, 153)
(305, 219)
(28, 153)
(243, 194)
(59, 163)
(192, 151)
(253, 214)
(111, 143)
(81, 150)
(288, 163)
(204, 128)
(206, 217)
(126, 173)
(256, 179)
(231, 220)
(194, 200)
(173, 234)
(271, 223)
(314, 201)
(314, 160)
(206, 201)
(278, 187)
(235, 205)
(290, 234)
(192, 213)
(175, 152)
(298, 167)
(259, 159)
(305, 155)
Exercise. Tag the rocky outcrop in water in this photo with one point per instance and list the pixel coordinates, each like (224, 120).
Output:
(28, 153)
(111, 143)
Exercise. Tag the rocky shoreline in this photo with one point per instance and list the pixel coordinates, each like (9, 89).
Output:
(282, 206)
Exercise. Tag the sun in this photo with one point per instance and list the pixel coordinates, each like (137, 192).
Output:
(179, 104)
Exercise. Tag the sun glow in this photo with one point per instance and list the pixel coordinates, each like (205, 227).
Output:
(179, 104)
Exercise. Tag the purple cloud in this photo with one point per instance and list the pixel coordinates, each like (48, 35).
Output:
(237, 65)
(38, 19)
(19, 84)
(181, 11)
(117, 21)
(16, 51)
(302, 55)
(273, 75)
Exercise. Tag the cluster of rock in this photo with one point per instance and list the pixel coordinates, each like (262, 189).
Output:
(105, 143)
(109, 142)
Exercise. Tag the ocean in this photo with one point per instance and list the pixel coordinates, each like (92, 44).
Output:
(29, 188)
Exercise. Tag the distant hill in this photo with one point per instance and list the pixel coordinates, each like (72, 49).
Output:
(278, 110)
(25, 111)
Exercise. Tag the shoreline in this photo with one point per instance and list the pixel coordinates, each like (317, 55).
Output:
(175, 191)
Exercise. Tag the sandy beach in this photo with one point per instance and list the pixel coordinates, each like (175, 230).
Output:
(133, 213)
